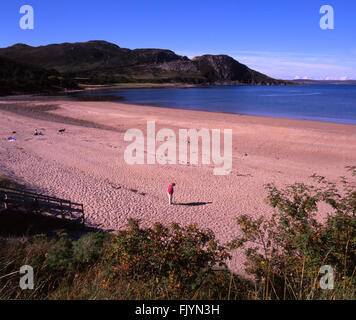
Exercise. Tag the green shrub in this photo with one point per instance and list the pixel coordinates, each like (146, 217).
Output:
(285, 253)
(60, 256)
(176, 259)
(87, 250)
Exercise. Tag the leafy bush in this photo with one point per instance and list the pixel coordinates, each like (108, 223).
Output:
(60, 256)
(87, 249)
(285, 253)
(176, 259)
(152, 263)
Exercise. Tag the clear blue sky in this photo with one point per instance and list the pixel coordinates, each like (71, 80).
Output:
(279, 37)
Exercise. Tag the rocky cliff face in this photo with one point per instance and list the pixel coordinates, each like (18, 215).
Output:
(224, 69)
(104, 62)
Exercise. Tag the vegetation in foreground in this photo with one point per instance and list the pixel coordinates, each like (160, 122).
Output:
(283, 255)
(152, 263)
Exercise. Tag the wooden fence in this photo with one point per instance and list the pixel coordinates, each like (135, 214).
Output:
(34, 202)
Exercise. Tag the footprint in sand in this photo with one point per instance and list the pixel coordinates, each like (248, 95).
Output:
(140, 193)
(115, 187)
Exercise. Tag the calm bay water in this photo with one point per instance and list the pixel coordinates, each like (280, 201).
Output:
(332, 103)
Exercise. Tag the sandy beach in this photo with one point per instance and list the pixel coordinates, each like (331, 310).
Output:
(86, 163)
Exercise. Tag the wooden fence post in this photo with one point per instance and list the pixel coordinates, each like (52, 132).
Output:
(62, 214)
(70, 210)
(5, 201)
(83, 216)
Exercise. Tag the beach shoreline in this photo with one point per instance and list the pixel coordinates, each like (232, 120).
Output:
(272, 120)
(86, 163)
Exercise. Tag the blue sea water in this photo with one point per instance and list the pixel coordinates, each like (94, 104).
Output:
(331, 103)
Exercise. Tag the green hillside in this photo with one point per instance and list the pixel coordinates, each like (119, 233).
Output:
(18, 77)
(100, 62)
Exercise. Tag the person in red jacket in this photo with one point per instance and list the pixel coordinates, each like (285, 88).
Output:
(170, 192)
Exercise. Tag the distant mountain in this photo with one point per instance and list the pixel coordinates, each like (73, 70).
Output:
(18, 77)
(100, 62)
(309, 81)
